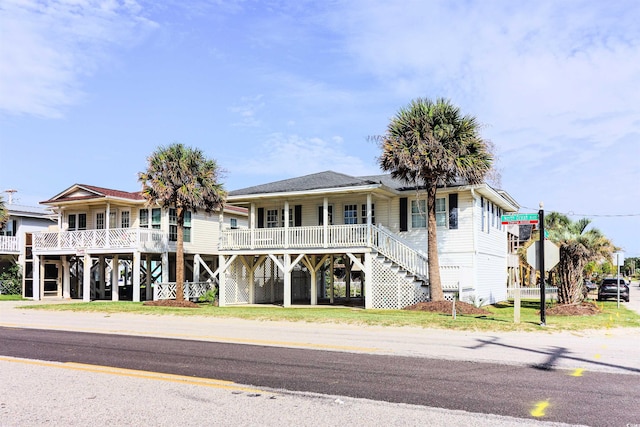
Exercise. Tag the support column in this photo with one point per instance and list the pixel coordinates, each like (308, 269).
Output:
(66, 278)
(196, 268)
(101, 278)
(165, 267)
(347, 277)
(314, 283)
(325, 222)
(37, 296)
(332, 277)
(135, 276)
(368, 285)
(86, 278)
(115, 278)
(287, 280)
(147, 283)
(222, 282)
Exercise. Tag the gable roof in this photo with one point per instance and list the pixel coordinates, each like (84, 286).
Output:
(79, 192)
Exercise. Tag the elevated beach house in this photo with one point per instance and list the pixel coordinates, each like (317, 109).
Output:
(330, 237)
(16, 239)
(107, 244)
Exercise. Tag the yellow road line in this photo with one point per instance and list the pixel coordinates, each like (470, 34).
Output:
(539, 409)
(577, 372)
(201, 338)
(132, 373)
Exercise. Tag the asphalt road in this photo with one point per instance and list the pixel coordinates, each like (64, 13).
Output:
(511, 390)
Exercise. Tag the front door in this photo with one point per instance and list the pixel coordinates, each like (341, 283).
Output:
(52, 279)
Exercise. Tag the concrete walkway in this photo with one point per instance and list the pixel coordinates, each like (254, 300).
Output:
(611, 350)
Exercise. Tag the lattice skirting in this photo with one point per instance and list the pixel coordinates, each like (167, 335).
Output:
(268, 284)
(236, 284)
(389, 290)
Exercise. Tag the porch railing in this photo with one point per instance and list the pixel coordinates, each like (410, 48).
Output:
(116, 238)
(192, 290)
(295, 237)
(9, 244)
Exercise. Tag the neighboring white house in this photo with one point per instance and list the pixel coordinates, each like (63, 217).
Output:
(107, 244)
(372, 231)
(16, 238)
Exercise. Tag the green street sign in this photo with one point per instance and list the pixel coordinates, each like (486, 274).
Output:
(528, 218)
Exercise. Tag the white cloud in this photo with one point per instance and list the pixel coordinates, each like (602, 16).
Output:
(286, 156)
(247, 110)
(49, 47)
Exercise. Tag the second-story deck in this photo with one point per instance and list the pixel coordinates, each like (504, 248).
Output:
(112, 240)
(329, 238)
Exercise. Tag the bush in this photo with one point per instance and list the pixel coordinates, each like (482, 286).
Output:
(210, 296)
(11, 281)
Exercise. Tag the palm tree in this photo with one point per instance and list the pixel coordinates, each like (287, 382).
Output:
(4, 215)
(182, 178)
(578, 247)
(431, 144)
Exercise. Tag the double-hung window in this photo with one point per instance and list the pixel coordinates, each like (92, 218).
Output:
(156, 218)
(186, 236)
(350, 214)
(418, 214)
(441, 212)
(125, 219)
(144, 218)
(272, 218)
(173, 226)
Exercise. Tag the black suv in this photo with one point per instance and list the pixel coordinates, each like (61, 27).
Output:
(609, 289)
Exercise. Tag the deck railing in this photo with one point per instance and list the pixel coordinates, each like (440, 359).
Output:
(116, 238)
(9, 244)
(295, 237)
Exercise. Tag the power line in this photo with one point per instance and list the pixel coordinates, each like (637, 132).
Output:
(572, 213)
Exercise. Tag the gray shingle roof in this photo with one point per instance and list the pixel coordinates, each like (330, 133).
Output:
(325, 180)
(316, 181)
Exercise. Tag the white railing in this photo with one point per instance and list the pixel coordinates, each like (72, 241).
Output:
(551, 292)
(192, 290)
(295, 237)
(393, 247)
(9, 244)
(115, 238)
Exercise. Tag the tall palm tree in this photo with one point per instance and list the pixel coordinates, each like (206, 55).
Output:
(578, 247)
(4, 215)
(182, 178)
(431, 144)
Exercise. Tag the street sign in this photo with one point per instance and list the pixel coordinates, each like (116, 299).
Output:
(551, 255)
(528, 218)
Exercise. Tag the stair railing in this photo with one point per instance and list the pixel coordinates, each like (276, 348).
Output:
(399, 251)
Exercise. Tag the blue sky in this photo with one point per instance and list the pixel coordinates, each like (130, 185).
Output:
(278, 89)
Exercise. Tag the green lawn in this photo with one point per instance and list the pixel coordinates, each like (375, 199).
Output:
(500, 319)
(11, 297)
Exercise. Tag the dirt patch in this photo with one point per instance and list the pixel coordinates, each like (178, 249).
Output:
(171, 303)
(445, 307)
(583, 309)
